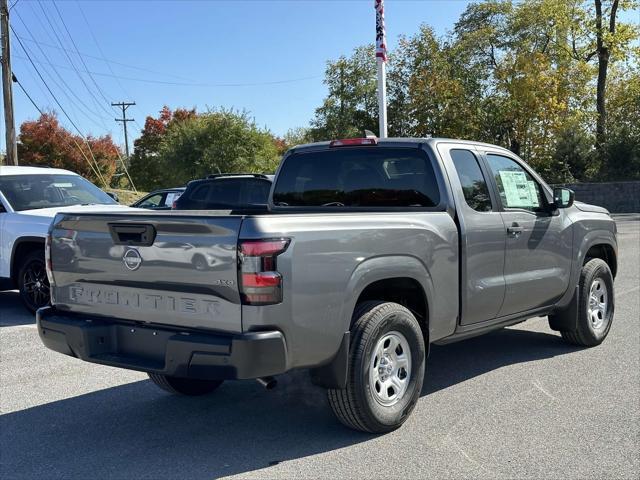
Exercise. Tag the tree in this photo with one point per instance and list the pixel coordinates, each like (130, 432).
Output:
(45, 142)
(144, 167)
(622, 147)
(351, 104)
(180, 147)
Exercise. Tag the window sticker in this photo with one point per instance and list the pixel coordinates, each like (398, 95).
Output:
(519, 191)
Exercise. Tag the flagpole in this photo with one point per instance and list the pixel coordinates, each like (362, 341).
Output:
(382, 97)
(381, 58)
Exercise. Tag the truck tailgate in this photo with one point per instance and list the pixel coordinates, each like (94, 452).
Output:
(170, 269)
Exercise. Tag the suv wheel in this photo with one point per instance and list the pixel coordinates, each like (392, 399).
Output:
(33, 283)
(386, 369)
(184, 386)
(595, 305)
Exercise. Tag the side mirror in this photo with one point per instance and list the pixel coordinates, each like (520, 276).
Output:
(113, 195)
(563, 197)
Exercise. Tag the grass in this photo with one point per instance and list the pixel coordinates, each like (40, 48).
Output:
(127, 197)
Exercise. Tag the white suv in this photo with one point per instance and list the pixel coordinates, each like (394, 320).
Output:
(29, 199)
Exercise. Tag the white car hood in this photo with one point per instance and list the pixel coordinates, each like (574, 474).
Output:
(51, 212)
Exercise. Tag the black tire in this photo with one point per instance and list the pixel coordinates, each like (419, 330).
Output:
(33, 283)
(357, 406)
(184, 386)
(589, 332)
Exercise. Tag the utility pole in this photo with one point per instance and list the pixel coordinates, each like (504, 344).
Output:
(7, 87)
(124, 120)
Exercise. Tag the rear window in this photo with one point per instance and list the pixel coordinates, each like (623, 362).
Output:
(228, 193)
(358, 177)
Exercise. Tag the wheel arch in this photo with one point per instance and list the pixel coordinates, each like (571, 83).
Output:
(604, 251)
(400, 279)
(21, 248)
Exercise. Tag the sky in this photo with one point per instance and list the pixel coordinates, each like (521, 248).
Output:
(264, 56)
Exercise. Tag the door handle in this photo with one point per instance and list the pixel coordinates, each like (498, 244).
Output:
(514, 231)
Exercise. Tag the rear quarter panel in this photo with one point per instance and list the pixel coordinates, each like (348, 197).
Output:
(332, 258)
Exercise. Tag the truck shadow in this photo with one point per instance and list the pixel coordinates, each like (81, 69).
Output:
(451, 364)
(136, 430)
(12, 312)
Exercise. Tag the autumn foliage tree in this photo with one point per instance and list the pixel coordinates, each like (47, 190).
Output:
(45, 142)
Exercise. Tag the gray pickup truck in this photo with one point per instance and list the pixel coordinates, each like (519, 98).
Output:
(370, 251)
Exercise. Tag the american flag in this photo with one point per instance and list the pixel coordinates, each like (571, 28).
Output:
(381, 33)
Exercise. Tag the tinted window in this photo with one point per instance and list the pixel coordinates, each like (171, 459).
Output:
(26, 192)
(358, 177)
(517, 188)
(474, 185)
(256, 192)
(227, 193)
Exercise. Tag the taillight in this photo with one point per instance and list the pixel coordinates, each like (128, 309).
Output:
(260, 282)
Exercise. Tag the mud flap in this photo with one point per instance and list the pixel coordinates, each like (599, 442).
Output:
(566, 320)
(334, 374)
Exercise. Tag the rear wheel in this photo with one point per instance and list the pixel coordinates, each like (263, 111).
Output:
(595, 305)
(33, 283)
(184, 386)
(386, 369)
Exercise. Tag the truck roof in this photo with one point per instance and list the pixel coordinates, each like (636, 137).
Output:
(18, 170)
(403, 140)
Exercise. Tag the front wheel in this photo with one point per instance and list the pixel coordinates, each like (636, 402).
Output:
(33, 283)
(595, 305)
(386, 369)
(184, 386)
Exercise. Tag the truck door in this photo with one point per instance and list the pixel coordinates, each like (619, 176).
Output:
(482, 238)
(538, 240)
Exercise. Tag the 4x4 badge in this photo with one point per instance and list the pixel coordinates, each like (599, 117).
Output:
(132, 259)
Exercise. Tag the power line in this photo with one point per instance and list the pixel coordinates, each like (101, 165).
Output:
(15, 80)
(95, 169)
(186, 84)
(108, 61)
(86, 69)
(73, 65)
(86, 110)
(95, 40)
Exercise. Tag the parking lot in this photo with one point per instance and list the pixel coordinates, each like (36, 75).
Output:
(514, 403)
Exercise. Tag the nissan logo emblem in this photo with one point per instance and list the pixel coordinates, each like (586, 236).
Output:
(132, 259)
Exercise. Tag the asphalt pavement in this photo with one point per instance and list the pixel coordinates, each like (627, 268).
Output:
(516, 403)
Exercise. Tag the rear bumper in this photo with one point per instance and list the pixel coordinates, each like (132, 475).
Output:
(170, 352)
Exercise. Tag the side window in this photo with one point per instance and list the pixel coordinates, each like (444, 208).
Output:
(517, 188)
(200, 194)
(152, 202)
(474, 185)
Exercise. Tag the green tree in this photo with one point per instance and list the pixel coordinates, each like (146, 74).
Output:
(351, 104)
(145, 167)
(215, 141)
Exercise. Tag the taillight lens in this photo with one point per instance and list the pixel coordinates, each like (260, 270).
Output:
(260, 282)
(352, 142)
